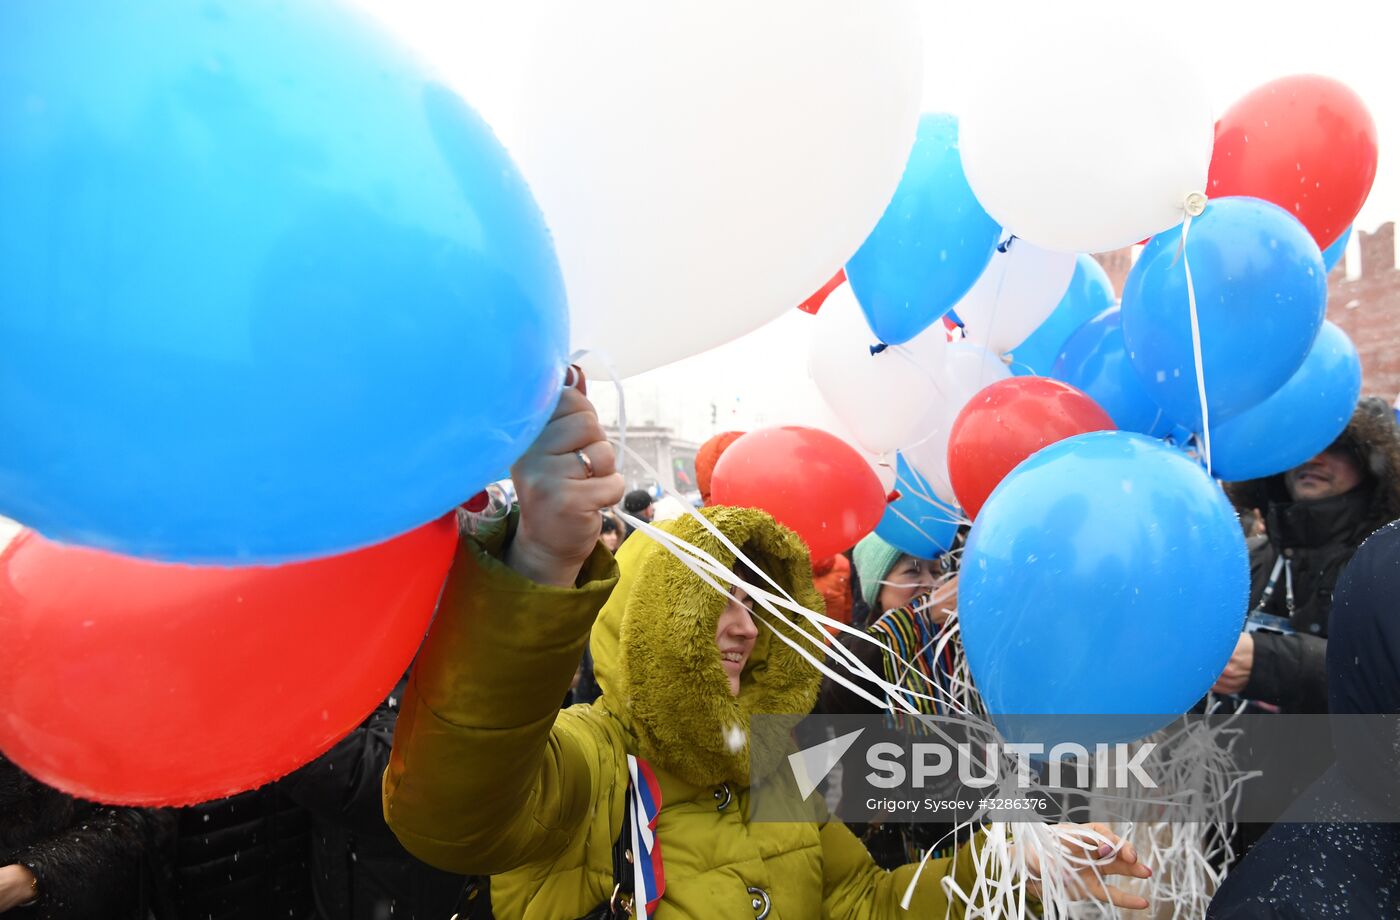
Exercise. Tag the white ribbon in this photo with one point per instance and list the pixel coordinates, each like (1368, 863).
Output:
(1196, 344)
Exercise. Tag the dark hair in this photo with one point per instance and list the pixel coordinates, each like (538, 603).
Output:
(636, 500)
(1347, 443)
(610, 524)
(747, 574)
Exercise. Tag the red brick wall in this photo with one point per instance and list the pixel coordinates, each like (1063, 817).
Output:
(1368, 309)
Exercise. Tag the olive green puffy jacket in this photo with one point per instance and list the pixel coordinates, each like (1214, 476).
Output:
(489, 777)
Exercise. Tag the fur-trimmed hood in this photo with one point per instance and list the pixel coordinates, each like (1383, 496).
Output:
(1374, 436)
(656, 660)
(89, 859)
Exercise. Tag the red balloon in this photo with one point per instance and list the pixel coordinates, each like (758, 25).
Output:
(1007, 422)
(1305, 143)
(810, 481)
(144, 683)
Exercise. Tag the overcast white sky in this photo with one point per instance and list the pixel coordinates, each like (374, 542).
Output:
(483, 47)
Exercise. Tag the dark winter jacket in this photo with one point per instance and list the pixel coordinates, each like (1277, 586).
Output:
(91, 861)
(891, 844)
(1341, 869)
(243, 858)
(359, 870)
(1315, 540)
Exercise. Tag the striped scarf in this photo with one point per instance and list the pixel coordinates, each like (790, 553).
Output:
(910, 633)
(911, 636)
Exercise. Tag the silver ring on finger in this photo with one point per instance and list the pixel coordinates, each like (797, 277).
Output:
(587, 464)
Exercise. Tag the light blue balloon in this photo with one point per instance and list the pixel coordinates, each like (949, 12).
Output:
(931, 245)
(270, 291)
(1333, 254)
(1299, 420)
(1107, 574)
(1095, 361)
(1090, 293)
(918, 523)
(1261, 293)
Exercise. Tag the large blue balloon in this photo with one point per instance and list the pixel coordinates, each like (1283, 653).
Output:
(1107, 574)
(918, 523)
(1090, 293)
(269, 290)
(1333, 254)
(1095, 361)
(1298, 421)
(931, 245)
(1261, 293)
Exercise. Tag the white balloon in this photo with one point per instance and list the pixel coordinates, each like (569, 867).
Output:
(705, 165)
(879, 398)
(929, 458)
(1019, 290)
(963, 371)
(1087, 131)
(930, 350)
(803, 405)
(967, 370)
(882, 464)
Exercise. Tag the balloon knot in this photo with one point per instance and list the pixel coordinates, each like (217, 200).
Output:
(1005, 244)
(477, 503)
(876, 349)
(894, 496)
(1195, 204)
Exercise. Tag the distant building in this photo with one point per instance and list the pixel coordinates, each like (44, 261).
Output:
(1116, 265)
(1364, 301)
(671, 457)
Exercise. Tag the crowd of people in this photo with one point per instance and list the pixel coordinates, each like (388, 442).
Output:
(311, 846)
(471, 790)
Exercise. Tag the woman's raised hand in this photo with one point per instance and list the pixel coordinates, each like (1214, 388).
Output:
(563, 481)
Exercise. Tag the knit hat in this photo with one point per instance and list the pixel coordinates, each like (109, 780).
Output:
(873, 559)
(706, 458)
(636, 501)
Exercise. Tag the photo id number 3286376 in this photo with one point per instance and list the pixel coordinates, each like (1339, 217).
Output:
(1022, 804)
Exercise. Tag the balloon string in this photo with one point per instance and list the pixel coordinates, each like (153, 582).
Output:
(711, 572)
(918, 491)
(918, 366)
(1196, 344)
(921, 488)
(1002, 248)
(958, 697)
